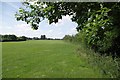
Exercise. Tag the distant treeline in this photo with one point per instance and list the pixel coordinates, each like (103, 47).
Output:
(7, 38)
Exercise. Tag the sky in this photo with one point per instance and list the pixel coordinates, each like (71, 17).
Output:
(9, 25)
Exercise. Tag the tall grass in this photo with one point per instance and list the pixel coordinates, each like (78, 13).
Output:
(105, 64)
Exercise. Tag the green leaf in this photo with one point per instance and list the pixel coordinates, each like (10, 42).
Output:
(21, 10)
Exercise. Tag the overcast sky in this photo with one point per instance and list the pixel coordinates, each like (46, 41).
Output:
(9, 25)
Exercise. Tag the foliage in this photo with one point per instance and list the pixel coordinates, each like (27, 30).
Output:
(4, 38)
(38, 11)
(0, 37)
(43, 37)
(22, 38)
(8, 38)
(35, 12)
(100, 32)
(68, 38)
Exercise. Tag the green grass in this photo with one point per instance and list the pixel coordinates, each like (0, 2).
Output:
(39, 59)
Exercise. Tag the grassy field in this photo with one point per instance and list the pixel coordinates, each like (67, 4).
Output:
(39, 59)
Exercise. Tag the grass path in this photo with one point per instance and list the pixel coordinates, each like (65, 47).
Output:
(49, 59)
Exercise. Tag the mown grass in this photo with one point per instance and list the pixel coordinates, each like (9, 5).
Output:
(44, 59)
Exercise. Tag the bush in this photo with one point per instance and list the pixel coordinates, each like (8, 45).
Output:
(68, 38)
(101, 32)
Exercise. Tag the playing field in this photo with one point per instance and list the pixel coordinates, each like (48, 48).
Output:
(43, 58)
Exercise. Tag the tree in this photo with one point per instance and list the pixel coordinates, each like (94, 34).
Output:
(4, 38)
(55, 10)
(0, 38)
(43, 37)
(9, 38)
(36, 38)
(68, 38)
(22, 38)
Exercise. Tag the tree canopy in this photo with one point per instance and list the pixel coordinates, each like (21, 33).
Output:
(35, 12)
